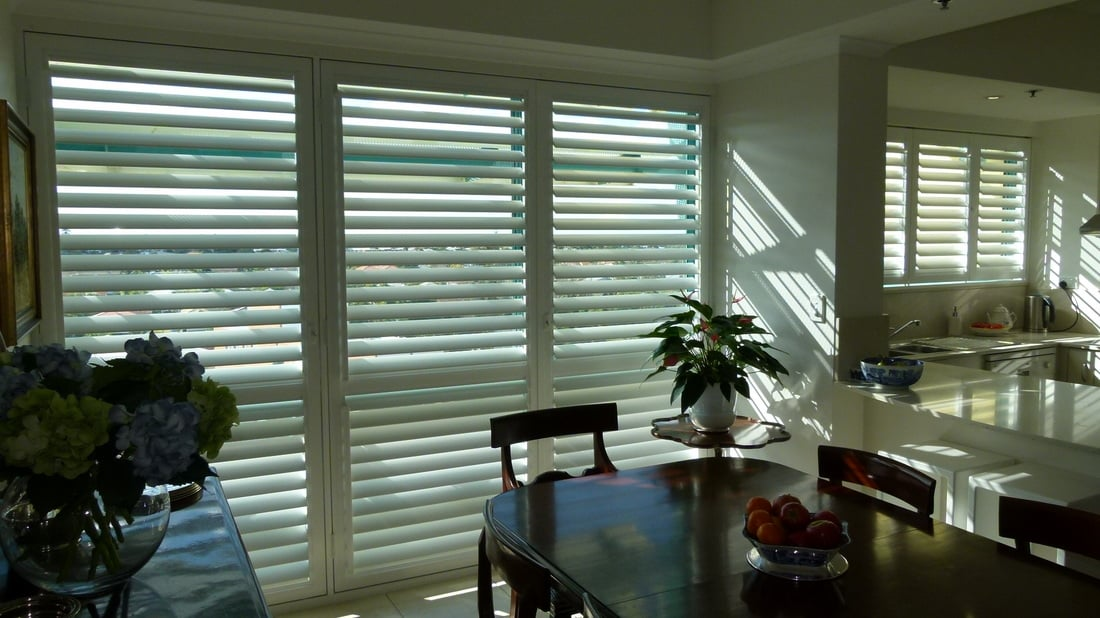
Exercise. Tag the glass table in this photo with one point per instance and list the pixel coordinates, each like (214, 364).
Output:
(745, 433)
(200, 569)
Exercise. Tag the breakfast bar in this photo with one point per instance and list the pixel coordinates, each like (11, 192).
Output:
(983, 435)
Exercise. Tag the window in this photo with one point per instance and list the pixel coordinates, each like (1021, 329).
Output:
(478, 246)
(955, 207)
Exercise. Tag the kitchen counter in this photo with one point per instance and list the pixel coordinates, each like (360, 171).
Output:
(1009, 341)
(1025, 406)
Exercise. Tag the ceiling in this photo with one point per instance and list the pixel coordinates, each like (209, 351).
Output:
(961, 94)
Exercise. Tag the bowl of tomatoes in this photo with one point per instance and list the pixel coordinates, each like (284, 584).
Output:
(787, 533)
(988, 329)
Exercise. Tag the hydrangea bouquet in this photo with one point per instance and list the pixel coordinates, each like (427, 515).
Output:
(77, 429)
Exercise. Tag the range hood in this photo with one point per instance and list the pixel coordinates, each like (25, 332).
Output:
(1091, 227)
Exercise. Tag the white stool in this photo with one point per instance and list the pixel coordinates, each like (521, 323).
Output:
(1034, 482)
(951, 464)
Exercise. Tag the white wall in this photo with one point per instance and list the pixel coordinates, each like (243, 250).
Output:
(785, 173)
(7, 55)
(1066, 184)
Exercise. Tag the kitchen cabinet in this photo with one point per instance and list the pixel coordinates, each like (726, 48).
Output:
(970, 361)
(1081, 365)
(1034, 362)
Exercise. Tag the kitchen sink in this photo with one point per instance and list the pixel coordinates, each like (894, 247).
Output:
(916, 348)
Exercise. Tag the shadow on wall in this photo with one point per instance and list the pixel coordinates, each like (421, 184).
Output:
(762, 233)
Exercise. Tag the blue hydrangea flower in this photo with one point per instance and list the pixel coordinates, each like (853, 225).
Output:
(14, 383)
(161, 351)
(54, 361)
(163, 436)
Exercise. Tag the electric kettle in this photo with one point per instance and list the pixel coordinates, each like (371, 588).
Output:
(1038, 313)
(1001, 315)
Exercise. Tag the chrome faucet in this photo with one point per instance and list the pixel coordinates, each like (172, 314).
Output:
(903, 327)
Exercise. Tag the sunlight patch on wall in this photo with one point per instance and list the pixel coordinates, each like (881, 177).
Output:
(1088, 282)
(754, 210)
(796, 295)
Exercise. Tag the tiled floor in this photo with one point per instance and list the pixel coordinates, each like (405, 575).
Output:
(453, 599)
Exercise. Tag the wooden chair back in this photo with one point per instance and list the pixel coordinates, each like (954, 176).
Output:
(532, 586)
(1053, 525)
(902, 481)
(553, 423)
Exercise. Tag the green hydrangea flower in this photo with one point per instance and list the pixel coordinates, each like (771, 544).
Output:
(218, 414)
(53, 434)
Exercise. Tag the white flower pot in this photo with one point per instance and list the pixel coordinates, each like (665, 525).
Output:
(712, 413)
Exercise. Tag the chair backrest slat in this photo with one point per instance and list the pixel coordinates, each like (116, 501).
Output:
(553, 423)
(902, 481)
(1053, 525)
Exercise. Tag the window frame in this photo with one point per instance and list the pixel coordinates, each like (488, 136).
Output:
(904, 180)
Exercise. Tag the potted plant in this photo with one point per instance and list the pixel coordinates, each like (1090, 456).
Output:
(711, 355)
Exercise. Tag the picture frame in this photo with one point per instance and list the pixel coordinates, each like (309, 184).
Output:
(20, 291)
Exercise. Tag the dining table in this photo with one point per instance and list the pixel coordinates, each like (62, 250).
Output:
(668, 540)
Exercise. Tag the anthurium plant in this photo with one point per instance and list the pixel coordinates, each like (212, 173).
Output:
(705, 349)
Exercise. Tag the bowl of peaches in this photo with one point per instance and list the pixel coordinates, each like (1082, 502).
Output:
(788, 540)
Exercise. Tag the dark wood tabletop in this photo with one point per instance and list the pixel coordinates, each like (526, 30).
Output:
(667, 541)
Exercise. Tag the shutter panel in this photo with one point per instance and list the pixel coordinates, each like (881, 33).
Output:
(943, 212)
(1001, 213)
(436, 291)
(178, 197)
(626, 195)
(894, 250)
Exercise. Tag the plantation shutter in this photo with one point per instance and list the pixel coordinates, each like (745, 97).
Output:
(895, 247)
(968, 197)
(1002, 193)
(435, 230)
(626, 235)
(178, 196)
(942, 211)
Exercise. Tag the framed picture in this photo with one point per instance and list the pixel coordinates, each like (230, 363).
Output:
(20, 299)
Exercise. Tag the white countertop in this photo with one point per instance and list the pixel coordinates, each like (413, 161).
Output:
(1011, 340)
(1060, 411)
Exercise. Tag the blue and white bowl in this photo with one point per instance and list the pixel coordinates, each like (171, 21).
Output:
(891, 371)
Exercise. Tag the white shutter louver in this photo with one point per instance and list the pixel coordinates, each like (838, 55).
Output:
(178, 198)
(943, 211)
(626, 236)
(434, 232)
(894, 249)
(1001, 203)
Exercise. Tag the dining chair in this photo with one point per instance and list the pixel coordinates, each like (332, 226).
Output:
(1054, 525)
(530, 589)
(838, 464)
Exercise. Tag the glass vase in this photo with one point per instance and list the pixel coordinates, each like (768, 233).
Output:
(32, 546)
